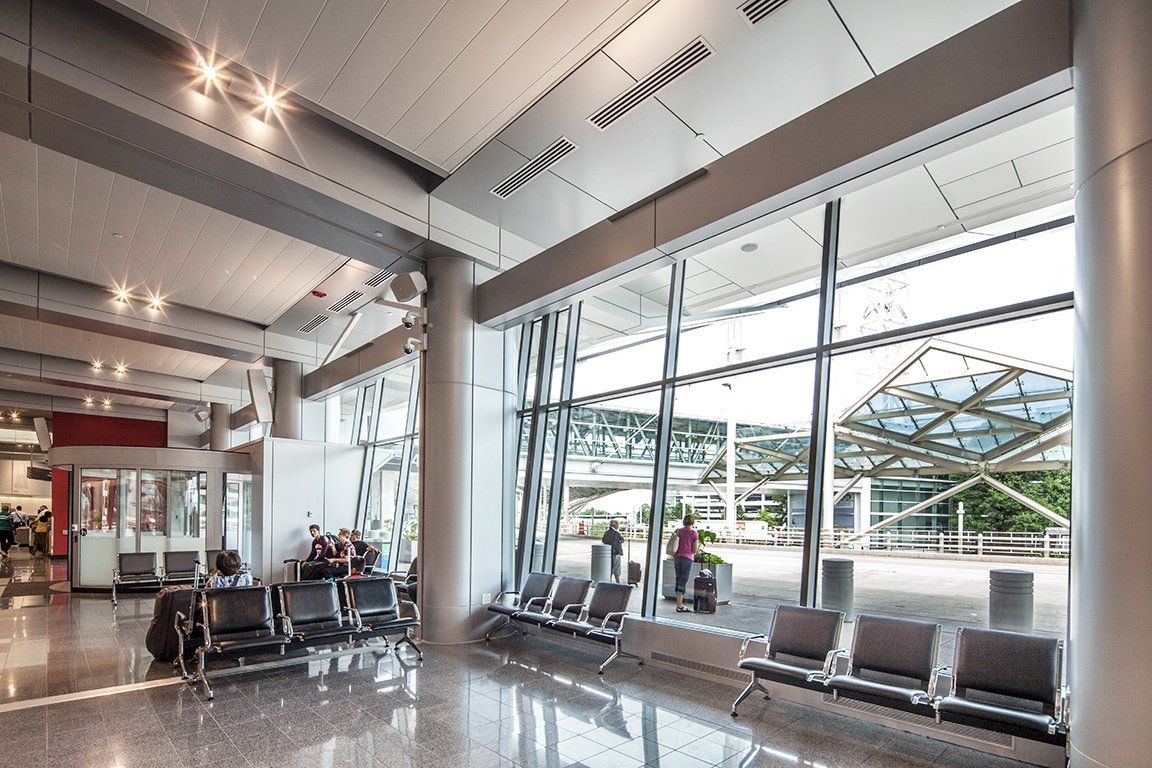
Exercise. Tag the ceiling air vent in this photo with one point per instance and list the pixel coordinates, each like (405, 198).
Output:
(691, 55)
(344, 302)
(755, 11)
(313, 324)
(378, 279)
(534, 167)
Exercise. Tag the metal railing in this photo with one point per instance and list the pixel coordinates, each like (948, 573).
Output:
(1043, 544)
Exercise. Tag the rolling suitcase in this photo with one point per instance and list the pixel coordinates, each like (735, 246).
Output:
(633, 572)
(704, 594)
(161, 640)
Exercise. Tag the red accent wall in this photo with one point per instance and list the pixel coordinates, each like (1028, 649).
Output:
(61, 480)
(96, 429)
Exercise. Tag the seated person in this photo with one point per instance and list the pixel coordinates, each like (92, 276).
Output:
(362, 547)
(315, 566)
(227, 573)
(340, 564)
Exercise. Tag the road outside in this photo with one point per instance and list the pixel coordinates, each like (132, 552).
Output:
(951, 591)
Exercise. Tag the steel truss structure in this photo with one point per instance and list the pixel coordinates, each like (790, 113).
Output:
(947, 409)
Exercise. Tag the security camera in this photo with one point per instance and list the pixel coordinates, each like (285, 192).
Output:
(409, 320)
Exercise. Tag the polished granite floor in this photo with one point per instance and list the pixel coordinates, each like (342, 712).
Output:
(514, 702)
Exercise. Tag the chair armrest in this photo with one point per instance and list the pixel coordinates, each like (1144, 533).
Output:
(744, 645)
(286, 623)
(609, 616)
(354, 617)
(180, 619)
(1062, 704)
(502, 595)
(569, 607)
(830, 660)
(115, 574)
(933, 683)
(542, 600)
(410, 604)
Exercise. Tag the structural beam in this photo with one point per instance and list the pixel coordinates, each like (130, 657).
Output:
(906, 115)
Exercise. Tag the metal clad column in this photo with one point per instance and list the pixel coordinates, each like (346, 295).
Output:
(220, 427)
(1110, 623)
(462, 493)
(288, 405)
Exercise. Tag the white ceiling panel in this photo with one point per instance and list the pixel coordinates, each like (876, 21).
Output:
(74, 344)
(279, 34)
(981, 185)
(227, 26)
(338, 30)
(1043, 132)
(437, 78)
(783, 252)
(562, 42)
(391, 35)
(890, 212)
(759, 77)
(892, 31)
(1045, 163)
(61, 216)
(437, 46)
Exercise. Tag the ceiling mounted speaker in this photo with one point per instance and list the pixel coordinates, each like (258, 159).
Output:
(407, 286)
(202, 415)
(42, 435)
(261, 396)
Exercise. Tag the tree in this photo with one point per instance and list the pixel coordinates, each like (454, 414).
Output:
(775, 510)
(987, 509)
(645, 513)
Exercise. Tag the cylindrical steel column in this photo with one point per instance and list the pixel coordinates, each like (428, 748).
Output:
(288, 406)
(220, 427)
(461, 515)
(1110, 624)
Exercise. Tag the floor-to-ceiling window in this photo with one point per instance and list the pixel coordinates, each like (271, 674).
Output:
(885, 379)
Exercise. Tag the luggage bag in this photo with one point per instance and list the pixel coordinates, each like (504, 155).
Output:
(704, 594)
(634, 574)
(161, 640)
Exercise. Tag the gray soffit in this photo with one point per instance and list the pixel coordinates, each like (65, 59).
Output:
(910, 113)
(372, 359)
(98, 87)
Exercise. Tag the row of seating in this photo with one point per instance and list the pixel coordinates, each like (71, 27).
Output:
(1001, 681)
(143, 569)
(249, 621)
(562, 604)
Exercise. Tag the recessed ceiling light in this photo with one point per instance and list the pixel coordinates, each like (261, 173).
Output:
(155, 301)
(97, 365)
(209, 72)
(107, 402)
(378, 235)
(15, 415)
(749, 247)
(88, 400)
(121, 293)
(121, 369)
(118, 235)
(269, 100)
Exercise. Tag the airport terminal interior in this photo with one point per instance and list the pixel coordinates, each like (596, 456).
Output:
(575, 383)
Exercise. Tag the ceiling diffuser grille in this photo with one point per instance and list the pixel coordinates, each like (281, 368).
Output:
(691, 55)
(756, 11)
(534, 167)
(344, 302)
(377, 279)
(313, 324)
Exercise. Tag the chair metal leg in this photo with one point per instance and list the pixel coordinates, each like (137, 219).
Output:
(499, 628)
(408, 639)
(619, 653)
(752, 686)
(203, 675)
(114, 592)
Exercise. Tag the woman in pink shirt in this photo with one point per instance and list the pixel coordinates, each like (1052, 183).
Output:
(684, 557)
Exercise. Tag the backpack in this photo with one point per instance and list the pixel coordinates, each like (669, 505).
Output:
(673, 545)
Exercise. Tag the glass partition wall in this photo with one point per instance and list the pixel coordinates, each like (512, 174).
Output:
(911, 387)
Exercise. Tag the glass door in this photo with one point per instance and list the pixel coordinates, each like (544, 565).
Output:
(238, 514)
(107, 519)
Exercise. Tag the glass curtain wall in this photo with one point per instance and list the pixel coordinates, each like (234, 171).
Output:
(909, 384)
(383, 415)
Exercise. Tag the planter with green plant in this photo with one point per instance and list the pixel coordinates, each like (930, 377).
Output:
(704, 559)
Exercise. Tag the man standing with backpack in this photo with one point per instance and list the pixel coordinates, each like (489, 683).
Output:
(613, 539)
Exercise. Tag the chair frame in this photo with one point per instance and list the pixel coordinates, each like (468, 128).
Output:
(1060, 709)
(926, 699)
(817, 676)
(406, 635)
(618, 651)
(158, 576)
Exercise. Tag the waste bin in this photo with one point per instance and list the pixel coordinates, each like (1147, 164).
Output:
(1010, 600)
(601, 562)
(837, 586)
